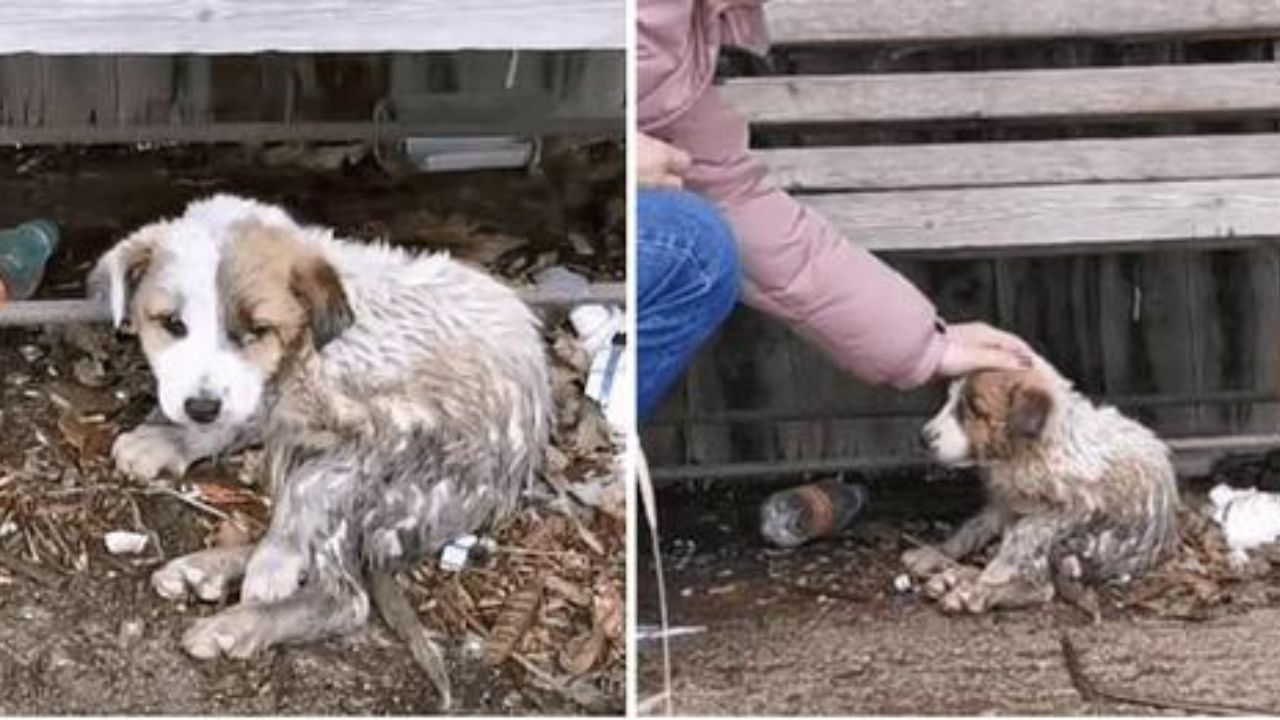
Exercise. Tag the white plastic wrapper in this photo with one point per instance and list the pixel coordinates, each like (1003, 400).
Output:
(1249, 518)
(125, 542)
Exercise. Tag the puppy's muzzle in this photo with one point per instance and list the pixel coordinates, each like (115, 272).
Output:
(203, 410)
(928, 438)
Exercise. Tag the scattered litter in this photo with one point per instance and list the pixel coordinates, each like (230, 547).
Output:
(903, 584)
(651, 633)
(1249, 518)
(464, 551)
(125, 542)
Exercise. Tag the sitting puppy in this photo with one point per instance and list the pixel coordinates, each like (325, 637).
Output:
(1075, 493)
(402, 401)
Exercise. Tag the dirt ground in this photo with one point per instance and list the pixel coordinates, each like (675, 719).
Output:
(80, 629)
(822, 630)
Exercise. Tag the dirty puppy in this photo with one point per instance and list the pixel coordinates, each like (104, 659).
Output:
(401, 400)
(1076, 494)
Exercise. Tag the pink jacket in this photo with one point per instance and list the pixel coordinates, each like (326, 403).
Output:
(870, 319)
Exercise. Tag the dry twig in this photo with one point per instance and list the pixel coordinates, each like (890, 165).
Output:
(1090, 692)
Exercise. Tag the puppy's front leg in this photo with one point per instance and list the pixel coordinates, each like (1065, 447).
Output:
(972, 536)
(1019, 575)
(158, 447)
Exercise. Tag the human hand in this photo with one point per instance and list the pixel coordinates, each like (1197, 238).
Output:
(659, 164)
(978, 346)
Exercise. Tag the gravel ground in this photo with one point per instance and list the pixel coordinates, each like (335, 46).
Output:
(821, 630)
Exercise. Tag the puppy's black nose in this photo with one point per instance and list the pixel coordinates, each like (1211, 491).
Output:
(202, 410)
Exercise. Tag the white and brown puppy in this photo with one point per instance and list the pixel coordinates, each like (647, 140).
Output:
(1076, 494)
(402, 401)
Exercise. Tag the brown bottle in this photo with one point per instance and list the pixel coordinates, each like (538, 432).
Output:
(793, 517)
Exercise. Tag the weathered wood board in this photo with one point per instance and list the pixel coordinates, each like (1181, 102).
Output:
(915, 21)
(247, 26)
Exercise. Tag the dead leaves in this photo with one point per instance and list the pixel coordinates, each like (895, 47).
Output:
(1198, 583)
(513, 622)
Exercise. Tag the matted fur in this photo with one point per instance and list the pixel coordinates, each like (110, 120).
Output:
(403, 400)
(1075, 493)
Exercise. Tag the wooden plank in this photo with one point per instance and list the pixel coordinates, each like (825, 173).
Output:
(1057, 218)
(1073, 94)
(247, 26)
(915, 21)
(1052, 162)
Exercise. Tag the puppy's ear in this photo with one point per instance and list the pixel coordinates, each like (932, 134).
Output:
(316, 285)
(116, 277)
(1029, 408)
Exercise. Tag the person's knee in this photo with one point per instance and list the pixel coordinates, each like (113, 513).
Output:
(678, 227)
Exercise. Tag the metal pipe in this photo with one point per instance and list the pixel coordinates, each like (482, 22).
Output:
(272, 132)
(65, 312)
(762, 415)
(1190, 452)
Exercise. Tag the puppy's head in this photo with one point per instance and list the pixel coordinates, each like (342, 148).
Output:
(990, 417)
(220, 308)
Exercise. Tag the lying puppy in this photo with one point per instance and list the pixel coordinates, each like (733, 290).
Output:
(1077, 494)
(402, 401)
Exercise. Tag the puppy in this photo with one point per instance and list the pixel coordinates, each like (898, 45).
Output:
(402, 401)
(1076, 494)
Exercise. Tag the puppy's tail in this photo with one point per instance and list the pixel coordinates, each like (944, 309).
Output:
(396, 612)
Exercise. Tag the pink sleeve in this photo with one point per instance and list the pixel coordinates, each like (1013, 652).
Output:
(869, 318)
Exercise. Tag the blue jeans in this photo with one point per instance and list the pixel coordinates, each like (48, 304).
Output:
(687, 281)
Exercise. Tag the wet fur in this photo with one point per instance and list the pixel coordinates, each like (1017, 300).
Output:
(1076, 494)
(404, 402)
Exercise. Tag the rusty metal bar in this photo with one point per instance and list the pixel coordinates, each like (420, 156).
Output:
(64, 312)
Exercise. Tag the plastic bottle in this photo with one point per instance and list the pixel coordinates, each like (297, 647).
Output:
(24, 251)
(795, 516)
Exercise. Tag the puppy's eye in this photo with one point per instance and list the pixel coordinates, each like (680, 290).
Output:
(172, 324)
(254, 334)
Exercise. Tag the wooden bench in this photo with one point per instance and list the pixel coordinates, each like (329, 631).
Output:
(998, 197)
(1060, 195)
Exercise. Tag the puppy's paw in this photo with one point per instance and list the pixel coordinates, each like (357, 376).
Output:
(148, 451)
(240, 632)
(946, 580)
(274, 573)
(924, 562)
(208, 574)
(972, 596)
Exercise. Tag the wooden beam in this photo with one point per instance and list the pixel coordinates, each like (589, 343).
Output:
(800, 22)
(1057, 218)
(1075, 95)
(270, 132)
(247, 26)
(1053, 162)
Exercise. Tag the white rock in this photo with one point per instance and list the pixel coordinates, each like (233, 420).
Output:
(125, 542)
(903, 583)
